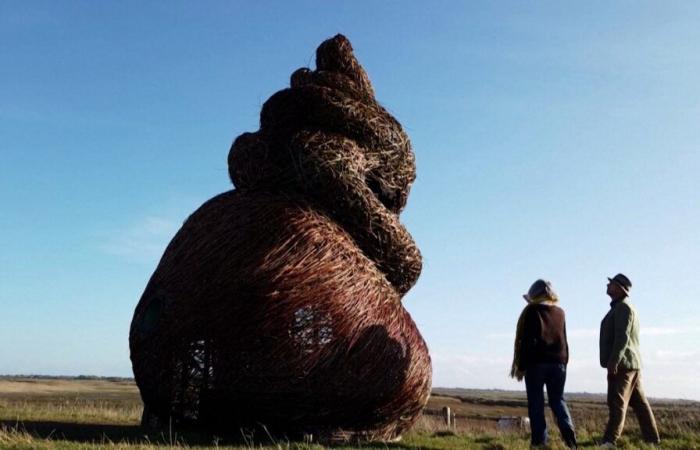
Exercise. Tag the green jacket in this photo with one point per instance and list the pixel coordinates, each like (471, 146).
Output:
(619, 337)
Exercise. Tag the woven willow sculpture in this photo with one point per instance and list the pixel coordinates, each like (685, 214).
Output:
(279, 303)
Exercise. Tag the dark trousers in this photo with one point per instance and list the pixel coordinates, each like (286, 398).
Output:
(554, 377)
(625, 387)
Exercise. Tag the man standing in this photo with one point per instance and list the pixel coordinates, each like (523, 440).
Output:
(619, 353)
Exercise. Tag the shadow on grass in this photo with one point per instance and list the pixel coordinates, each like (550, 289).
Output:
(73, 431)
(100, 433)
(135, 434)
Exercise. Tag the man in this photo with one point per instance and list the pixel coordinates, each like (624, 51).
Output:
(619, 353)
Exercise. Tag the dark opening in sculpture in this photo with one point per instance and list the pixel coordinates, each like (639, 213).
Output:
(279, 302)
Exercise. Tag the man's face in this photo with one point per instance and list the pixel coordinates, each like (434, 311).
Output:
(614, 290)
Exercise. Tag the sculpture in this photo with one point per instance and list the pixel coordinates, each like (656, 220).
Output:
(279, 303)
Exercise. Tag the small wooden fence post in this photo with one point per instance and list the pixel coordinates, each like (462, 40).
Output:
(447, 415)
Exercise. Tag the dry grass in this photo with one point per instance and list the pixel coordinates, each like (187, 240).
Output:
(70, 414)
(75, 401)
(48, 386)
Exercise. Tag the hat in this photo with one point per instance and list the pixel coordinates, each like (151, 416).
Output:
(540, 288)
(622, 281)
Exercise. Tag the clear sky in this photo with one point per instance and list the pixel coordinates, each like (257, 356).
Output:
(556, 140)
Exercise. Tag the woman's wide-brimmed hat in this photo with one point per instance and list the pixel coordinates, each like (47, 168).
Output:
(539, 289)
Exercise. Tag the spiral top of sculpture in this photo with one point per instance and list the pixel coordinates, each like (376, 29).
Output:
(278, 303)
(328, 138)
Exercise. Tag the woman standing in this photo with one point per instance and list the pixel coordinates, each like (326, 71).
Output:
(541, 355)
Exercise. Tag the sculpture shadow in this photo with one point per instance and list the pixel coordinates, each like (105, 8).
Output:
(90, 433)
(108, 433)
(79, 432)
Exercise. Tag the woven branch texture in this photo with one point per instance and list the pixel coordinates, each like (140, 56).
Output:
(278, 304)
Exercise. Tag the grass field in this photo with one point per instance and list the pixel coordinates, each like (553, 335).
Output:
(96, 413)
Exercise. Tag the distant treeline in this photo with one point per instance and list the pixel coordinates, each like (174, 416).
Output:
(64, 377)
(518, 398)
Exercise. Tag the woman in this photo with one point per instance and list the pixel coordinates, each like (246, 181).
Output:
(541, 355)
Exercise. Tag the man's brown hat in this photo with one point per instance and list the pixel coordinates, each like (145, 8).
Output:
(622, 281)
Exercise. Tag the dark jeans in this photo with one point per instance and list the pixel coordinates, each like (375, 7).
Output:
(553, 376)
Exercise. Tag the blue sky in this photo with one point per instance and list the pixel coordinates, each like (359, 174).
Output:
(552, 140)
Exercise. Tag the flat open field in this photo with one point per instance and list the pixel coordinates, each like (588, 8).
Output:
(99, 413)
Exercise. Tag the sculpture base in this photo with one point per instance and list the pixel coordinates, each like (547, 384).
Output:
(263, 312)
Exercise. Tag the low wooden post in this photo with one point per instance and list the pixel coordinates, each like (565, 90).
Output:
(454, 421)
(447, 415)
